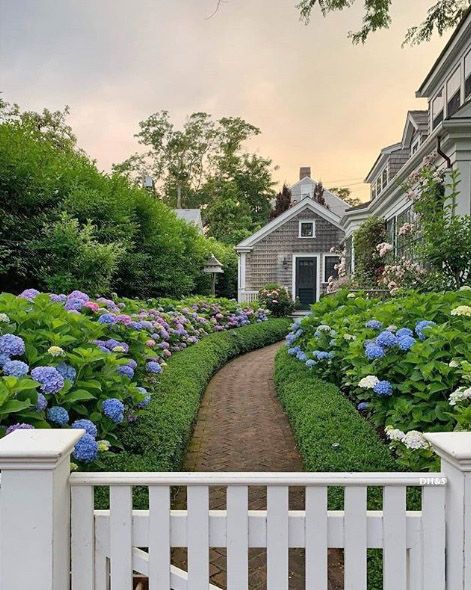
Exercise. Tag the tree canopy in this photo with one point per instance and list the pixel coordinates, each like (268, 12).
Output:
(441, 16)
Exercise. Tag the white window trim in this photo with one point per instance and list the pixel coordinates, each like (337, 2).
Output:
(319, 270)
(313, 221)
(414, 146)
(337, 256)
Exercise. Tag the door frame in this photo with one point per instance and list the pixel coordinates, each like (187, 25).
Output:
(318, 278)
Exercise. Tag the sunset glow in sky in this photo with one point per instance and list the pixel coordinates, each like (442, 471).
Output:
(318, 100)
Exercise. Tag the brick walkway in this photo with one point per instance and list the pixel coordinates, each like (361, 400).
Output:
(241, 427)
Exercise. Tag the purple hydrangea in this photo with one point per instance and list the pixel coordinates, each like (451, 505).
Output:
(15, 368)
(58, 415)
(132, 363)
(373, 351)
(19, 426)
(406, 342)
(374, 324)
(41, 403)
(12, 345)
(386, 339)
(153, 367)
(86, 449)
(78, 295)
(87, 425)
(126, 371)
(58, 298)
(50, 379)
(67, 371)
(73, 304)
(29, 294)
(404, 332)
(107, 318)
(4, 358)
(114, 409)
(383, 388)
(111, 344)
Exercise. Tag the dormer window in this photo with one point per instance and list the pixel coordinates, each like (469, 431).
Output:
(307, 228)
(467, 76)
(415, 144)
(437, 109)
(453, 93)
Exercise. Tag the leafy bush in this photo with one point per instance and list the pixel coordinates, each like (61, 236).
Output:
(276, 299)
(368, 262)
(406, 362)
(68, 358)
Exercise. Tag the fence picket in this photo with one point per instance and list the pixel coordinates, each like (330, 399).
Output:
(198, 537)
(394, 538)
(237, 538)
(433, 537)
(316, 538)
(277, 537)
(355, 538)
(121, 537)
(82, 538)
(159, 538)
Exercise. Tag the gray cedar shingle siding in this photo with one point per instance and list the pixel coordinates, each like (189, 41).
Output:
(265, 262)
(397, 161)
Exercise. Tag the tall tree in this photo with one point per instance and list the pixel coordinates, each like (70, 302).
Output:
(346, 195)
(318, 195)
(441, 16)
(282, 203)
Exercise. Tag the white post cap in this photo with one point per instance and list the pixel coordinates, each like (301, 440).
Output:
(454, 447)
(37, 449)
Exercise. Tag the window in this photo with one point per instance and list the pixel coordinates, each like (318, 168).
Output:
(467, 75)
(453, 93)
(415, 144)
(373, 191)
(437, 109)
(385, 177)
(307, 229)
(329, 267)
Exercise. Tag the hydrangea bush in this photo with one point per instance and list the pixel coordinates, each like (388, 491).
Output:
(67, 361)
(405, 362)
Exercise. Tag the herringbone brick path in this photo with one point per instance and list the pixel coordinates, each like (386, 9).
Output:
(241, 427)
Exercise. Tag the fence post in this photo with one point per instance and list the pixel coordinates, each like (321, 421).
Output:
(454, 449)
(35, 509)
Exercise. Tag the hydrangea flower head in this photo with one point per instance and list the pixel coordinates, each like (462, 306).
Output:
(4, 319)
(464, 310)
(73, 304)
(386, 339)
(56, 351)
(394, 433)
(415, 440)
(58, 415)
(61, 298)
(301, 355)
(383, 388)
(310, 363)
(15, 368)
(114, 409)
(50, 379)
(78, 295)
(362, 406)
(374, 325)
(86, 449)
(374, 351)
(126, 371)
(153, 367)
(459, 395)
(12, 345)
(4, 358)
(404, 332)
(103, 446)
(19, 426)
(107, 318)
(132, 363)
(87, 425)
(41, 403)
(321, 355)
(67, 371)
(368, 382)
(29, 294)
(406, 342)
(421, 326)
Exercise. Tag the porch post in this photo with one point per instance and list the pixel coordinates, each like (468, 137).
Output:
(454, 449)
(35, 509)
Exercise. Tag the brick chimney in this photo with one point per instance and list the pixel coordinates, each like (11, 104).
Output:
(304, 172)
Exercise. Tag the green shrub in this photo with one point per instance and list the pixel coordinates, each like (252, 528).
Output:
(276, 299)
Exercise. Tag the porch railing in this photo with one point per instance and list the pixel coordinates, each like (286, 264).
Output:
(425, 549)
(247, 296)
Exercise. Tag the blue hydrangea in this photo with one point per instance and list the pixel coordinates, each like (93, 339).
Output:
(58, 415)
(362, 406)
(114, 409)
(107, 318)
(374, 324)
(86, 449)
(41, 403)
(58, 298)
(310, 363)
(301, 356)
(87, 425)
(383, 388)
(294, 350)
(132, 363)
(322, 355)
(136, 325)
(126, 371)
(73, 304)
(4, 358)
(12, 345)
(404, 332)
(421, 326)
(50, 379)
(374, 351)
(67, 371)
(29, 294)
(153, 367)
(386, 339)
(15, 368)
(406, 342)
(144, 402)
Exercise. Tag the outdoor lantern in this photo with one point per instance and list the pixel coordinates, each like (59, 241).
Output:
(213, 267)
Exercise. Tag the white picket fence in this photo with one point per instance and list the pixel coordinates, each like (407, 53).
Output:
(426, 549)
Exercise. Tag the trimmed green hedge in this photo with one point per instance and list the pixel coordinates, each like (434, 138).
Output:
(157, 442)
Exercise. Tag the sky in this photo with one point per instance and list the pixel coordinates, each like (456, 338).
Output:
(319, 100)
